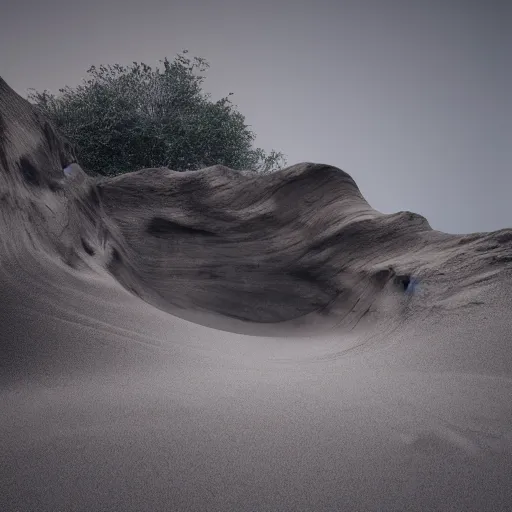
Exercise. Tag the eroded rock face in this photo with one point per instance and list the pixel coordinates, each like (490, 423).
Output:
(377, 372)
(31, 152)
(256, 248)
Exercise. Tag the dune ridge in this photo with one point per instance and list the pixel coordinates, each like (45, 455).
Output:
(248, 342)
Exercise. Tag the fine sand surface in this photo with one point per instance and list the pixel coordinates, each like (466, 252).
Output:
(222, 341)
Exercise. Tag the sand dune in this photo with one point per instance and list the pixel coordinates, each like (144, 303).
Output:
(220, 341)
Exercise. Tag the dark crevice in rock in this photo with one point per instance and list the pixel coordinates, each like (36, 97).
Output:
(403, 281)
(29, 172)
(87, 248)
(160, 227)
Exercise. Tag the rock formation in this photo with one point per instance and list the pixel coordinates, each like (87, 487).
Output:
(370, 369)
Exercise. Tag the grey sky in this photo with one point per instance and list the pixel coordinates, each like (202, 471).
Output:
(411, 97)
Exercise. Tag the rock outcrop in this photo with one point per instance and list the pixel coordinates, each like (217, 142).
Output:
(368, 346)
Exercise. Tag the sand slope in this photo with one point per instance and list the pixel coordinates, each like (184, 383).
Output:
(220, 341)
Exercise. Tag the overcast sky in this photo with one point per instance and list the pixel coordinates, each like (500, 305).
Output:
(411, 97)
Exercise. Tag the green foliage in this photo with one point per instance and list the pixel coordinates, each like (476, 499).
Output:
(125, 118)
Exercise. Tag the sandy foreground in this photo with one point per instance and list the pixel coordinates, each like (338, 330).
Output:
(220, 341)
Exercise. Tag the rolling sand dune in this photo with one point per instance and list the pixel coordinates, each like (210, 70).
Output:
(224, 341)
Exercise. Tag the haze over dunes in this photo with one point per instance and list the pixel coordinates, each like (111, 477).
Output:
(220, 340)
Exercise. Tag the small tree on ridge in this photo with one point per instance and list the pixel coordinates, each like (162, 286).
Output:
(125, 118)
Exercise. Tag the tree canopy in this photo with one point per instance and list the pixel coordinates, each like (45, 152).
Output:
(125, 118)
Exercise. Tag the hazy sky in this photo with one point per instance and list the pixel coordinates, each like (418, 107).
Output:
(411, 97)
